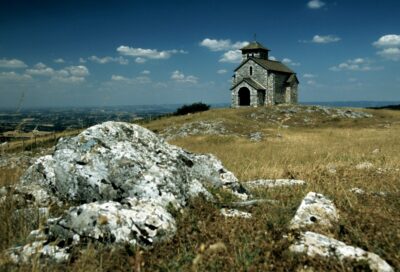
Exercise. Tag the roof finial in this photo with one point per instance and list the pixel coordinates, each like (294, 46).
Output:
(255, 37)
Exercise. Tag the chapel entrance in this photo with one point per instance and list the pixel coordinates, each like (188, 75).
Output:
(244, 96)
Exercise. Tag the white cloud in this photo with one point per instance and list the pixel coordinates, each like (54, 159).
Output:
(135, 80)
(222, 71)
(78, 71)
(82, 60)
(390, 47)
(358, 64)
(309, 76)
(12, 63)
(232, 56)
(325, 39)
(140, 60)
(290, 62)
(59, 60)
(311, 82)
(315, 4)
(108, 59)
(180, 77)
(41, 69)
(390, 53)
(222, 45)
(13, 76)
(143, 54)
(271, 58)
(390, 40)
(71, 74)
(145, 72)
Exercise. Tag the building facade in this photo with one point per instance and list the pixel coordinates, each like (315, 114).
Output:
(259, 81)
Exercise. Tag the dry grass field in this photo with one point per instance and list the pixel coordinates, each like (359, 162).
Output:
(333, 155)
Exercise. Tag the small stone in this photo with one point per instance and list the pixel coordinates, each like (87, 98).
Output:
(315, 211)
(234, 213)
(357, 191)
(271, 183)
(364, 166)
(314, 244)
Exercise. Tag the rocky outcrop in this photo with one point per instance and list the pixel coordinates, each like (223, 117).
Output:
(121, 180)
(316, 212)
(314, 244)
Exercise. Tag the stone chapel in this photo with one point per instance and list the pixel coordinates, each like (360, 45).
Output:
(260, 81)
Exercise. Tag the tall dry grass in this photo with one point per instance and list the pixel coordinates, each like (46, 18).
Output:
(205, 241)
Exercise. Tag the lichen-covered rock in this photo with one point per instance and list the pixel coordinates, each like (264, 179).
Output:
(115, 160)
(271, 183)
(314, 244)
(121, 179)
(316, 212)
(234, 213)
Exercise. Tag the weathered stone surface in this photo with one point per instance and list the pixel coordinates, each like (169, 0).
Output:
(271, 183)
(315, 211)
(314, 244)
(122, 179)
(114, 160)
(234, 213)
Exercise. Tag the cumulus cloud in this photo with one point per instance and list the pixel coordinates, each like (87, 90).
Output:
(13, 76)
(315, 4)
(390, 53)
(325, 39)
(107, 59)
(142, 54)
(232, 56)
(222, 45)
(358, 64)
(180, 77)
(271, 58)
(135, 80)
(222, 71)
(41, 69)
(82, 60)
(78, 71)
(70, 74)
(390, 40)
(390, 47)
(12, 63)
(59, 60)
(140, 60)
(290, 62)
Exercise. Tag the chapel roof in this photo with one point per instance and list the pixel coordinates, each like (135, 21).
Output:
(271, 65)
(254, 45)
(251, 82)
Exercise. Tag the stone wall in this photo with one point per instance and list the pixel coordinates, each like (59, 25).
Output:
(259, 73)
(280, 88)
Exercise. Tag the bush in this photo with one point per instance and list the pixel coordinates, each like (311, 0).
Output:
(195, 107)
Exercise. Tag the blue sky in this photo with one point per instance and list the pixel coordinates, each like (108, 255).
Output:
(74, 53)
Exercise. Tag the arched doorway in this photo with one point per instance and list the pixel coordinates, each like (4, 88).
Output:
(244, 96)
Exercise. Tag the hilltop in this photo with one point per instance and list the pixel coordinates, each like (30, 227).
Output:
(350, 156)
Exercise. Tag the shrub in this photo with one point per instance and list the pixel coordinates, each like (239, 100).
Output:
(195, 107)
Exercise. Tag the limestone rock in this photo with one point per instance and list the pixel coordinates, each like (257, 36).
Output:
(364, 166)
(115, 160)
(120, 180)
(234, 213)
(314, 244)
(271, 183)
(315, 211)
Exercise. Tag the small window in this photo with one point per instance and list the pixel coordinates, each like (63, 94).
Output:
(251, 70)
